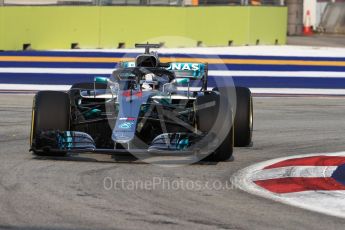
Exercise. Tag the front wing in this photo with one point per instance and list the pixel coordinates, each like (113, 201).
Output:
(79, 142)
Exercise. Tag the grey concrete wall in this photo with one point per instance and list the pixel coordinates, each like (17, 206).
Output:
(333, 19)
(295, 16)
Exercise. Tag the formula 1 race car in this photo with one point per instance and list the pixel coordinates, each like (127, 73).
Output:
(145, 108)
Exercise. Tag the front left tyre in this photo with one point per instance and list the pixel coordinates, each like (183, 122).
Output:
(50, 111)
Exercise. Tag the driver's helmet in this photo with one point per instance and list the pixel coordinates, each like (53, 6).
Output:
(154, 82)
(150, 82)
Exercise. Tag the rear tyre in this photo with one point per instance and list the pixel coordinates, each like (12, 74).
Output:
(206, 119)
(243, 122)
(50, 111)
(244, 117)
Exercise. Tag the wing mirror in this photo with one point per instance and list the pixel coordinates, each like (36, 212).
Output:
(99, 79)
(181, 81)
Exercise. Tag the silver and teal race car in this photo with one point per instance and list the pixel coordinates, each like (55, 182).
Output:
(145, 108)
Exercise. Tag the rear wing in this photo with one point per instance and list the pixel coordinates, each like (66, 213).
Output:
(191, 70)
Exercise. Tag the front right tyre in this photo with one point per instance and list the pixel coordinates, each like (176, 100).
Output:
(214, 114)
(50, 112)
(244, 117)
(243, 122)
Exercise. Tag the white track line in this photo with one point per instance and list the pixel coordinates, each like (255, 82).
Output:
(326, 202)
(262, 50)
(57, 70)
(280, 91)
(309, 74)
(28, 87)
(298, 91)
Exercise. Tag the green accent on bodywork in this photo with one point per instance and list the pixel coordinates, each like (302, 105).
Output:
(165, 101)
(65, 140)
(94, 113)
(57, 27)
(185, 69)
(181, 69)
(182, 80)
(127, 64)
(183, 144)
(101, 80)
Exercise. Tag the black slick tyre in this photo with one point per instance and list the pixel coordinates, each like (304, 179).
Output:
(209, 118)
(51, 111)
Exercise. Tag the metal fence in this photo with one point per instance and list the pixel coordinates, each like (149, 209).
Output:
(141, 2)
